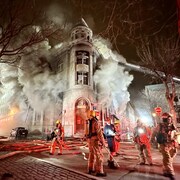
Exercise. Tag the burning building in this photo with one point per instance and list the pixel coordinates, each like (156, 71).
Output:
(79, 75)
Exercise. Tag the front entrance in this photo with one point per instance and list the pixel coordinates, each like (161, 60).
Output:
(81, 108)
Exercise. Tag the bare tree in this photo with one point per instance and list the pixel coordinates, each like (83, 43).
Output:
(161, 56)
(158, 50)
(19, 29)
(151, 28)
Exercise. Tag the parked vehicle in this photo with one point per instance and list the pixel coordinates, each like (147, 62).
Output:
(19, 132)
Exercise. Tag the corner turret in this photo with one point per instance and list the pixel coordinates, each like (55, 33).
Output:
(81, 31)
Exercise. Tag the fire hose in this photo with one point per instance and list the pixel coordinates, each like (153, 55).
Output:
(67, 147)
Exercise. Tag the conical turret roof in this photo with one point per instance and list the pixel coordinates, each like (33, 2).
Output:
(81, 22)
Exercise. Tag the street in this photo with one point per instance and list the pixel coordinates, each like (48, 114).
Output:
(30, 160)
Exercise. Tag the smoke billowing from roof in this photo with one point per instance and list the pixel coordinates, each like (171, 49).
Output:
(112, 80)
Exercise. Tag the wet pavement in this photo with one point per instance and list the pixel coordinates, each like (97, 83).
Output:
(31, 160)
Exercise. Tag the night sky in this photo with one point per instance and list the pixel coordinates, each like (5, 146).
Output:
(104, 17)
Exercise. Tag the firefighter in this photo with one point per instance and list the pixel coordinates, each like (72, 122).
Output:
(95, 143)
(142, 137)
(117, 136)
(166, 139)
(109, 132)
(58, 138)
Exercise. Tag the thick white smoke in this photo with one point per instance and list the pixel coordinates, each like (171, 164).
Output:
(33, 85)
(112, 80)
(40, 85)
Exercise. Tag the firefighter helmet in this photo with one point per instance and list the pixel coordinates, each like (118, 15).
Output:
(166, 118)
(58, 121)
(166, 115)
(116, 122)
(91, 113)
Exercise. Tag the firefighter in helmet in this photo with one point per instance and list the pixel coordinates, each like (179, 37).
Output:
(142, 137)
(165, 134)
(58, 138)
(117, 136)
(96, 142)
(109, 132)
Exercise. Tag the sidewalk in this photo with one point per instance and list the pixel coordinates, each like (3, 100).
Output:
(21, 167)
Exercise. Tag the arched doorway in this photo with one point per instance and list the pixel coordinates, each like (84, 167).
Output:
(81, 108)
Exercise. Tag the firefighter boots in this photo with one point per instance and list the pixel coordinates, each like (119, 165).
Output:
(111, 165)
